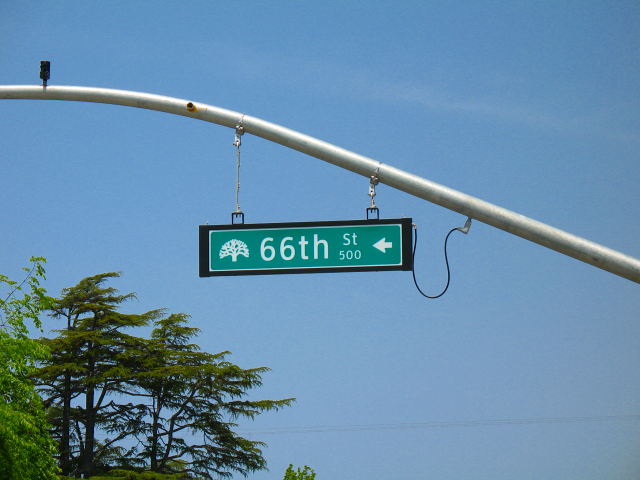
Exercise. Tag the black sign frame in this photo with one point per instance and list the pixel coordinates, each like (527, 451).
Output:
(406, 234)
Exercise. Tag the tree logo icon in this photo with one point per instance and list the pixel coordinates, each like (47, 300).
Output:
(233, 248)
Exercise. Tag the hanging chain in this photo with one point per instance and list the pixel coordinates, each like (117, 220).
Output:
(236, 143)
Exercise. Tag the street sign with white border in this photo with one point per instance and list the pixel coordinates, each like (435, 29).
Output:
(305, 247)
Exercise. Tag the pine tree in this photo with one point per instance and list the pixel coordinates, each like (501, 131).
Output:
(85, 368)
(192, 401)
(174, 406)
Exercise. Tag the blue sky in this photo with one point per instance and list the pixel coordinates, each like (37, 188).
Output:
(532, 106)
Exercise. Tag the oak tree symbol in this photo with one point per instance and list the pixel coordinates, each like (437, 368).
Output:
(234, 248)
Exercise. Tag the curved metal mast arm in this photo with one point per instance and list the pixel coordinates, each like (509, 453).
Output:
(527, 228)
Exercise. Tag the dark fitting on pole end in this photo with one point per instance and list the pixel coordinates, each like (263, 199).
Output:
(45, 71)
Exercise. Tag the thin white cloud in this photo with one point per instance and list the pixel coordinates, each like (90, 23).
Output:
(332, 79)
(496, 109)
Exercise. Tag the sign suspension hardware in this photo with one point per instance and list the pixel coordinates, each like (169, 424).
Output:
(372, 209)
(237, 216)
(372, 244)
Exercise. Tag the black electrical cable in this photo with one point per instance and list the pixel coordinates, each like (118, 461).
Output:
(446, 259)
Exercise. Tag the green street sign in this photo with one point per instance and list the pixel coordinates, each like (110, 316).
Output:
(305, 247)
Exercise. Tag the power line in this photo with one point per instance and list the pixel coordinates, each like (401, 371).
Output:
(443, 424)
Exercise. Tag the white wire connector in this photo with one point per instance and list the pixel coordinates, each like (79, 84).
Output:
(467, 226)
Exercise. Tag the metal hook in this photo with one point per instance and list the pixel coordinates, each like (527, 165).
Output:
(373, 209)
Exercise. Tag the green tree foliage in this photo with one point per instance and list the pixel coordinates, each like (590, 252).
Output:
(167, 407)
(187, 391)
(118, 474)
(26, 450)
(85, 368)
(305, 473)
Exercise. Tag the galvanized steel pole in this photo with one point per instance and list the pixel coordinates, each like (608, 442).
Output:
(529, 229)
